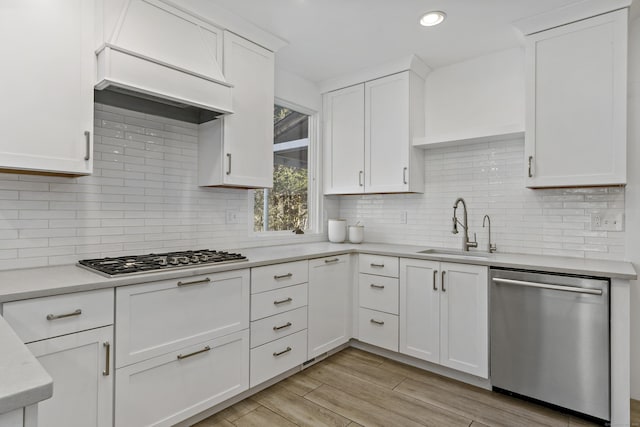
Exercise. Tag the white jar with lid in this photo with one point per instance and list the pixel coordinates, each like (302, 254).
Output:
(356, 233)
(337, 230)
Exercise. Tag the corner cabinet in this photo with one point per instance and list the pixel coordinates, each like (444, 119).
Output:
(444, 314)
(369, 131)
(46, 110)
(237, 150)
(330, 296)
(576, 101)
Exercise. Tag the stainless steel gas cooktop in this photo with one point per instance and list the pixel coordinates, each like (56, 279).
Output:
(137, 264)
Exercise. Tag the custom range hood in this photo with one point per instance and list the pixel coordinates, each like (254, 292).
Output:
(160, 60)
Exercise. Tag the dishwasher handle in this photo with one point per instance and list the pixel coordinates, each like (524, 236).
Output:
(548, 286)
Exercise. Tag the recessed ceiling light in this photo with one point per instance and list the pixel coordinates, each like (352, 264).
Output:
(430, 19)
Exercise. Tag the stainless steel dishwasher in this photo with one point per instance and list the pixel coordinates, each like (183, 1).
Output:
(550, 339)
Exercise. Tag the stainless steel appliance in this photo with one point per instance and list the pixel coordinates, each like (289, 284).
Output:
(550, 339)
(137, 264)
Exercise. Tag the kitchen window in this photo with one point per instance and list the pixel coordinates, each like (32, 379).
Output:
(289, 205)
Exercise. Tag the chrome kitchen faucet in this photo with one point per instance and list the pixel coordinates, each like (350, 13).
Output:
(466, 244)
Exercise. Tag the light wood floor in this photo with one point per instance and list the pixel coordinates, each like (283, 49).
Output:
(353, 388)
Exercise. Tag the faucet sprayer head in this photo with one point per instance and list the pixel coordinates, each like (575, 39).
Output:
(454, 230)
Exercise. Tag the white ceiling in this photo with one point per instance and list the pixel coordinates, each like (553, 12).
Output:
(329, 38)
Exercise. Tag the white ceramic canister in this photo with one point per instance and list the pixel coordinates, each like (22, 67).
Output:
(337, 230)
(356, 233)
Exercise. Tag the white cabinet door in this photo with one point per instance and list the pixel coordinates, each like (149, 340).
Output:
(237, 150)
(14, 418)
(464, 318)
(158, 317)
(48, 64)
(420, 309)
(81, 365)
(344, 141)
(167, 389)
(330, 293)
(386, 149)
(576, 103)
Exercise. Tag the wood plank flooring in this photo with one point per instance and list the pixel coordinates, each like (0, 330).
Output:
(355, 388)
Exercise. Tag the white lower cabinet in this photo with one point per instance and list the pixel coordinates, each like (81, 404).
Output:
(330, 296)
(444, 314)
(14, 418)
(378, 328)
(82, 370)
(164, 390)
(276, 357)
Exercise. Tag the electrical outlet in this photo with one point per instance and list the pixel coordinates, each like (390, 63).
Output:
(607, 221)
(232, 217)
(403, 217)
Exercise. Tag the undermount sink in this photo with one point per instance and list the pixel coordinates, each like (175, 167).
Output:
(454, 253)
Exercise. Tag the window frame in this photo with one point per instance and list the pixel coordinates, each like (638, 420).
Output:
(314, 191)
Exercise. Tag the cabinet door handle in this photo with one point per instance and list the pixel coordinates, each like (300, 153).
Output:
(360, 178)
(184, 356)
(373, 285)
(442, 281)
(228, 163)
(280, 353)
(404, 175)
(329, 261)
(77, 312)
(435, 280)
(377, 265)
(195, 282)
(286, 325)
(376, 322)
(530, 172)
(283, 276)
(107, 365)
(87, 139)
(283, 301)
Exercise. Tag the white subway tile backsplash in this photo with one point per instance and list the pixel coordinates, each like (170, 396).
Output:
(490, 177)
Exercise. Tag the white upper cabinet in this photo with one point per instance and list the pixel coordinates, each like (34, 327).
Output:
(46, 108)
(576, 103)
(237, 150)
(369, 130)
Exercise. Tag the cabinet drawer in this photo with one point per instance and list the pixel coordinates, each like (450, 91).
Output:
(278, 301)
(278, 326)
(159, 317)
(379, 293)
(39, 318)
(378, 264)
(277, 357)
(167, 389)
(378, 328)
(276, 276)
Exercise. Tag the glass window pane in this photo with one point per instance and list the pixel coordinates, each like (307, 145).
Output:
(285, 206)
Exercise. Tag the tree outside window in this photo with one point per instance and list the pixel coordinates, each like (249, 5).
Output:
(286, 205)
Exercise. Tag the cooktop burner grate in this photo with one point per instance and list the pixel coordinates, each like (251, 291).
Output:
(137, 264)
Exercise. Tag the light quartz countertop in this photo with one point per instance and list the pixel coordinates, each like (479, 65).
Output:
(46, 281)
(23, 381)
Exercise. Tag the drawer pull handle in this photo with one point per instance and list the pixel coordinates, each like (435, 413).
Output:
(442, 281)
(283, 276)
(280, 353)
(329, 261)
(184, 356)
(377, 322)
(107, 365)
(435, 280)
(286, 325)
(373, 285)
(195, 282)
(377, 265)
(283, 301)
(78, 312)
